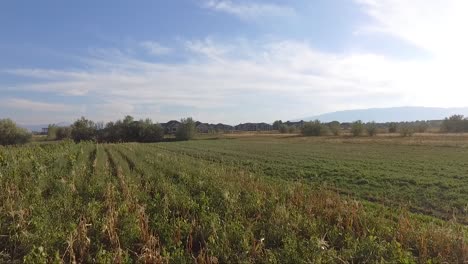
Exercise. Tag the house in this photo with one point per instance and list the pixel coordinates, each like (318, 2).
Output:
(171, 126)
(254, 127)
(297, 124)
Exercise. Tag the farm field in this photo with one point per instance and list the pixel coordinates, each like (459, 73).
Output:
(238, 199)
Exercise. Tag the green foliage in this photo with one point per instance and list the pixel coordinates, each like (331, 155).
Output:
(371, 128)
(357, 128)
(315, 128)
(283, 129)
(292, 129)
(11, 134)
(335, 128)
(393, 127)
(83, 130)
(52, 132)
(277, 124)
(186, 129)
(184, 202)
(63, 133)
(406, 130)
(455, 124)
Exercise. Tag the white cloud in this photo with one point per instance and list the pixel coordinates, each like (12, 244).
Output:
(33, 106)
(437, 26)
(249, 9)
(156, 48)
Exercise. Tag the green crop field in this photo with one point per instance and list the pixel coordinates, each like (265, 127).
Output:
(241, 199)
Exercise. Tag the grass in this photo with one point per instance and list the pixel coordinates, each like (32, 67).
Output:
(265, 199)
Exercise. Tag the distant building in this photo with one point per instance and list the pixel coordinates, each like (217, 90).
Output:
(171, 126)
(254, 127)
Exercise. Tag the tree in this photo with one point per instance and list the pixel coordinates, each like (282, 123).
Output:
(277, 124)
(454, 124)
(11, 134)
(83, 129)
(292, 129)
(149, 132)
(357, 128)
(283, 129)
(335, 128)
(422, 126)
(52, 132)
(186, 129)
(406, 130)
(315, 128)
(63, 133)
(371, 128)
(393, 127)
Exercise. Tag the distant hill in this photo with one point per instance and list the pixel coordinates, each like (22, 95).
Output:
(394, 114)
(38, 127)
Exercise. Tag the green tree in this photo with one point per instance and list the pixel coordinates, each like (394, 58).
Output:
(277, 125)
(83, 129)
(357, 128)
(393, 127)
(371, 128)
(335, 128)
(11, 134)
(315, 128)
(406, 130)
(454, 124)
(52, 132)
(186, 129)
(283, 129)
(63, 133)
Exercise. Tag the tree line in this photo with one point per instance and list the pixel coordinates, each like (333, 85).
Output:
(130, 130)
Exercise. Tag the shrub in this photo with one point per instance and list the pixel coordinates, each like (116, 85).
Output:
(406, 130)
(63, 133)
(455, 124)
(186, 129)
(371, 128)
(292, 129)
(315, 128)
(277, 125)
(283, 129)
(393, 128)
(11, 134)
(51, 132)
(357, 128)
(335, 128)
(83, 129)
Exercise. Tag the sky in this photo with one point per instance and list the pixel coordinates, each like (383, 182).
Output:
(229, 61)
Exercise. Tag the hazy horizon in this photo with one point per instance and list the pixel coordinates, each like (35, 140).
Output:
(228, 61)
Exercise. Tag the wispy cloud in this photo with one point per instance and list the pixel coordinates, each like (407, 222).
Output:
(156, 48)
(33, 106)
(437, 26)
(249, 9)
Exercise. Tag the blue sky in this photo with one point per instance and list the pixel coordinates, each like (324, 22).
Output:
(227, 61)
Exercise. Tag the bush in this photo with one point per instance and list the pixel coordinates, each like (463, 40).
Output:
(371, 129)
(335, 128)
(63, 133)
(83, 129)
(357, 128)
(315, 128)
(186, 129)
(455, 124)
(406, 130)
(393, 128)
(283, 129)
(11, 134)
(292, 129)
(52, 132)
